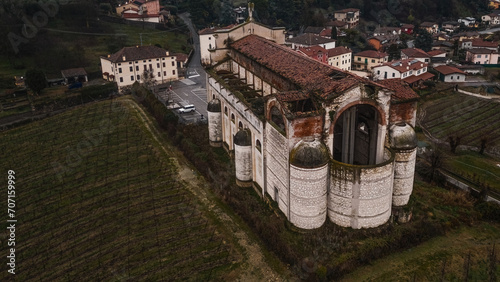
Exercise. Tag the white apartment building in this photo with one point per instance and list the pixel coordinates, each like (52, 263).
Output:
(129, 64)
(340, 57)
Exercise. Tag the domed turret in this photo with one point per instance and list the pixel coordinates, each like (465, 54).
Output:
(243, 157)
(404, 143)
(214, 123)
(309, 154)
(403, 136)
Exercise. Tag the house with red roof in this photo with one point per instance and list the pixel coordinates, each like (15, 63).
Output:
(481, 56)
(130, 64)
(407, 28)
(415, 53)
(349, 15)
(368, 59)
(450, 74)
(317, 53)
(340, 57)
(412, 71)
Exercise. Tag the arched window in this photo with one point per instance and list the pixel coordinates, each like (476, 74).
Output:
(232, 117)
(225, 111)
(213, 96)
(258, 146)
(355, 135)
(240, 125)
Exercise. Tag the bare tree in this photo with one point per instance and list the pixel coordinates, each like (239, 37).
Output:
(454, 142)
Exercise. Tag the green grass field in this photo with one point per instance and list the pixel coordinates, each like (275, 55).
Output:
(96, 199)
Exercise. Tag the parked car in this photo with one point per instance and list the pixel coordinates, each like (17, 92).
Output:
(187, 109)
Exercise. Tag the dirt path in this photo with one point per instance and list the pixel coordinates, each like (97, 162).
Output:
(255, 267)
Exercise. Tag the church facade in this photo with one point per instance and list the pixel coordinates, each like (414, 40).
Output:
(321, 142)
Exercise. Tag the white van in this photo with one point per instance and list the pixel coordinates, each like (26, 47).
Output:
(187, 109)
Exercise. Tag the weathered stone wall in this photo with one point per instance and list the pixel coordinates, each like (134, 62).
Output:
(406, 112)
(308, 196)
(214, 126)
(305, 127)
(277, 170)
(361, 196)
(404, 172)
(243, 162)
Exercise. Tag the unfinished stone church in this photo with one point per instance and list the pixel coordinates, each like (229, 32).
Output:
(321, 142)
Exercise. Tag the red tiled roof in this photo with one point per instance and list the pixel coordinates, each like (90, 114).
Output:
(181, 57)
(405, 65)
(313, 50)
(371, 54)
(401, 90)
(481, 51)
(326, 32)
(415, 53)
(482, 43)
(338, 51)
(433, 53)
(303, 71)
(137, 53)
(414, 78)
(448, 70)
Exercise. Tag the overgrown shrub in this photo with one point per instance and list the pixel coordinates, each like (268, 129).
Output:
(489, 210)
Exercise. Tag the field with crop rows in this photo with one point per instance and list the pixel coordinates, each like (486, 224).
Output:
(465, 116)
(97, 200)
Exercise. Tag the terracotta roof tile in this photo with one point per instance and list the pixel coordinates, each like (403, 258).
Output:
(313, 50)
(448, 70)
(433, 53)
(303, 71)
(415, 78)
(481, 43)
(405, 65)
(415, 53)
(402, 91)
(338, 51)
(137, 53)
(481, 51)
(371, 54)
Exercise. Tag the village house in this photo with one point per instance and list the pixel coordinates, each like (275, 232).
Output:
(430, 27)
(383, 42)
(239, 14)
(308, 40)
(415, 53)
(494, 4)
(491, 18)
(468, 21)
(314, 29)
(449, 26)
(411, 71)
(147, 11)
(438, 58)
(482, 56)
(131, 5)
(387, 30)
(339, 25)
(317, 53)
(340, 57)
(74, 75)
(450, 74)
(350, 16)
(445, 46)
(479, 43)
(130, 64)
(312, 138)
(407, 28)
(368, 59)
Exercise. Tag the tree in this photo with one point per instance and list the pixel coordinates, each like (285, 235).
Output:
(423, 40)
(334, 33)
(35, 80)
(394, 53)
(454, 142)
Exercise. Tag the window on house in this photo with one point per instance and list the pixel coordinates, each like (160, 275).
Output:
(164, 73)
(143, 61)
(393, 74)
(418, 72)
(131, 69)
(158, 65)
(240, 125)
(225, 111)
(373, 61)
(452, 77)
(159, 74)
(138, 77)
(359, 59)
(129, 63)
(173, 64)
(163, 64)
(157, 60)
(478, 56)
(121, 79)
(149, 61)
(120, 70)
(232, 118)
(132, 77)
(137, 68)
(173, 72)
(337, 63)
(150, 66)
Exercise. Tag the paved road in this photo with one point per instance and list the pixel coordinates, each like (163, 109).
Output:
(192, 89)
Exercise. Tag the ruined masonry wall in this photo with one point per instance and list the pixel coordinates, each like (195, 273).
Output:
(404, 173)
(277, 172)
(308, 196)
(360, 197)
